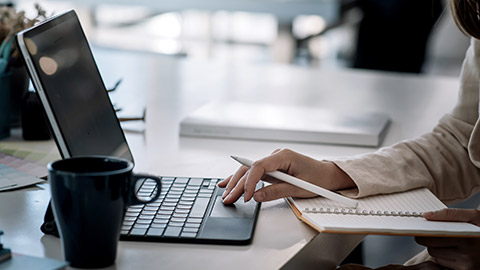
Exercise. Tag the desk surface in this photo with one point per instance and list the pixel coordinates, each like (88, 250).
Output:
(172, 88)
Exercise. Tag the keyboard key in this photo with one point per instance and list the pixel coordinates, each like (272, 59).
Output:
(162, 216)
(148, 217)
(160, 221)
(203, 195)
(181, 211)
(199, 207)
(138, 232)
(126, 228)
(146, 212)
(181, 180)
(184, 207)
(155, 232)
(169, 204)
(195, 181)
(180, 215)
(154, 204)
(188, 235)
(171, 200)
(174, 219)
(176, 224)
(165, 212)
(188, 203)
(124, 232)
(192, 225)
(140, 226)
(128, 223)
(158, 226)
(130, 219)
(187, 199)
(194, 220)
(134, 210)
(172, 231)
(167, 208)
(130, 214)
(191, 230)
(143, 221)
(151, 208)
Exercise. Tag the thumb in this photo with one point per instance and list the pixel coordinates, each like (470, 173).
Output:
(275, 191)
(452, 214)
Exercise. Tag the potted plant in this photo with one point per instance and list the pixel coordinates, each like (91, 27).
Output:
(13, 76)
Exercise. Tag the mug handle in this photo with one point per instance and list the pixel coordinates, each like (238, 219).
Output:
(134, 179)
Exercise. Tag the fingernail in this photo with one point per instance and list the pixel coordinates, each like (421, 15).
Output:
(260, 196)
(228, 197)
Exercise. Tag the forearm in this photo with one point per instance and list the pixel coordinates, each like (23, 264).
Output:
(438, 160)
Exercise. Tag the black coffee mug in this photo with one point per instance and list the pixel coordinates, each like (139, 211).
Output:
(90, 196)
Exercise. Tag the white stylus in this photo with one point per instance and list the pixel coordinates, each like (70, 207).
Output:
(303, 184)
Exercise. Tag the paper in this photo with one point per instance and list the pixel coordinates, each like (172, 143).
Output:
(418, 200)
(16, 173)
(391, 214)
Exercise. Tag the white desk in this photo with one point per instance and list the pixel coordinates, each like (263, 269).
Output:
(172, 88)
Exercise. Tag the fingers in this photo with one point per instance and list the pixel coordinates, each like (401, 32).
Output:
(224, 182)
(278, 191)
(233, 180)
(279, 160)
(236, 192)
(451, 214)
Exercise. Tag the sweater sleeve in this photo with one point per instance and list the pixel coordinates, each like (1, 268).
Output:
(444, 160)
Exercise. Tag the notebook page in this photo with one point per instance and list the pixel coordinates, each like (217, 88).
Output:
(418, 200)
(389, 225)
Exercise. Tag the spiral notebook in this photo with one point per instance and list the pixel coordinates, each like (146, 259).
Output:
(391, 214)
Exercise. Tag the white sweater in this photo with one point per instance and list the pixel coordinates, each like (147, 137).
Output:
(446, 160)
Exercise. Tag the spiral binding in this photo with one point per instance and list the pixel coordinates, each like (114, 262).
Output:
(362, 212)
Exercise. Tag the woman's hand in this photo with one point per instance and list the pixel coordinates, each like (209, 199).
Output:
(455, 253)
(244, 180)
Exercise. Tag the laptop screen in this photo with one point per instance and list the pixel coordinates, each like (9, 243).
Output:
(74, 89)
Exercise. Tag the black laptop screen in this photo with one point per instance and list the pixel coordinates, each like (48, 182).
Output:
(74, 88)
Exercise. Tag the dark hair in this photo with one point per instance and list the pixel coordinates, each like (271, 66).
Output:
(467, 16)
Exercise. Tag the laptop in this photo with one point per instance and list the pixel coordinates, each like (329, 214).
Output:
(83, 121)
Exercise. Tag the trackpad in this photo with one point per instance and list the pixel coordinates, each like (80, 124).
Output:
(236, 210)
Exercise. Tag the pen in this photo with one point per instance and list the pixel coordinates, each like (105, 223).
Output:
(303, 184)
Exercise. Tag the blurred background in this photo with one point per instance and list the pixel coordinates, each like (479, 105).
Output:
(414, 36)
(311, 33)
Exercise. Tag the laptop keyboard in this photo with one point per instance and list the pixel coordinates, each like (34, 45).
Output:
(178, 212)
